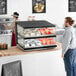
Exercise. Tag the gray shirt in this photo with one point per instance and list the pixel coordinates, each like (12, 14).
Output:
(68, 39)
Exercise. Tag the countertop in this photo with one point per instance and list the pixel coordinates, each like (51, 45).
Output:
(16, 51)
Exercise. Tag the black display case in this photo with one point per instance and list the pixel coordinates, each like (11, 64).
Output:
(35, 35)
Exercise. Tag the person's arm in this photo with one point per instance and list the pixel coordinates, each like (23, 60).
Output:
(59, 31)
(66, 41)
(11, 26)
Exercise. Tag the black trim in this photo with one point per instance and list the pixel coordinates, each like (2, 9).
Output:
(38, 48)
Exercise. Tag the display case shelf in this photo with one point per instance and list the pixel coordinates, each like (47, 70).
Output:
(37, 48)
(34, 37)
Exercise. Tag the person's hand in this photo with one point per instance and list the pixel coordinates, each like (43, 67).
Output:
(62, 56)
(4, 25)
(53, 32)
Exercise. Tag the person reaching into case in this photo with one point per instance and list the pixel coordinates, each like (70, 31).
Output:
(69, 47)
(12, 26)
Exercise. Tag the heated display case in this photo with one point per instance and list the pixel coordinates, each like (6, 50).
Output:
(35, 35)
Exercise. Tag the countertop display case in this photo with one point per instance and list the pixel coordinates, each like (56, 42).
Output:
(35, 35)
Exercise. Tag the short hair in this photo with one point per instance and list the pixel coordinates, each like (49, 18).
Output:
(69, 20)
